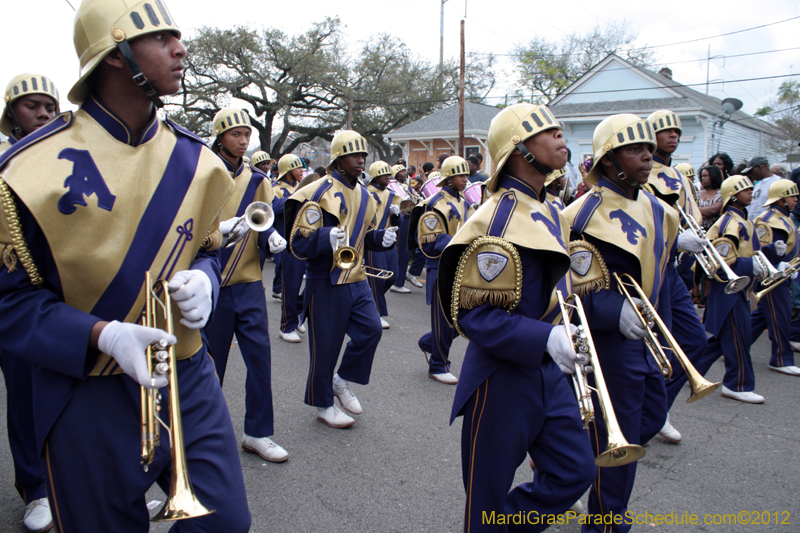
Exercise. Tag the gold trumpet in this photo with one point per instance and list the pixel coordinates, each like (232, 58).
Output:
(778, 277)
(619, 451)
(648, 317)
(710, 259)
(181, 501)
(346, 257)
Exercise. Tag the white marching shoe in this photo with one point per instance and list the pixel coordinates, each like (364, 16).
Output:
(401, 290)
(301, 328)
(334, 417)
(348, 400)
(384, 324)
(264, 447)
(292, 336)
(578, 508)
(795, 346)
(746, 397)
(788, 370)
(413, 280)
(37, 517)
(276, 295)
(669, 433)
(447, 378)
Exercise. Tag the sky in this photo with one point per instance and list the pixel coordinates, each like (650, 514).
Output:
(38, 33)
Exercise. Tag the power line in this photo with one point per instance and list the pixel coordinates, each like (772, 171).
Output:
(662, 62)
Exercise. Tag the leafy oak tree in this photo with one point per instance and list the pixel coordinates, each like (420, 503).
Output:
(784, 113)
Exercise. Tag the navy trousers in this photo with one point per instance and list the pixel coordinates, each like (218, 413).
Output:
(438, 341)
(734, 343)
(774, 312)
(276, 279)
(291, 273)
(28, 474)
(637, 392)
(417, 263)
(384, 261)
(241, 309)
(92, 456)
(403, 253)
(517, 411)
(332, 311)
(680, 317)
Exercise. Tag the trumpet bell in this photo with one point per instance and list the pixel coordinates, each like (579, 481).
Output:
(619, 453)
(701, 388)
(259, 216)
(737, 284)
(345, 257)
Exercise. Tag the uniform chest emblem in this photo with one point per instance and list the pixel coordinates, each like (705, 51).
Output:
(581, 262)
(673, 183)
(84, 181)
(632, 229)
(744, 235)
(761, 231)
(312, 215)
(343, 204)
(454, 214)
(491, 264)
(549, 224)
(430, 223)
(724, 249)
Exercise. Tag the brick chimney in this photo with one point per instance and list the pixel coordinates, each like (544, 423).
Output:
(666, 72)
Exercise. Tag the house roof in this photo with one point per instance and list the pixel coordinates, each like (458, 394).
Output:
(444, 122)
(688, 101)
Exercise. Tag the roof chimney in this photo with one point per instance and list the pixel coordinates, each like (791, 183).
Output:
(666, 72)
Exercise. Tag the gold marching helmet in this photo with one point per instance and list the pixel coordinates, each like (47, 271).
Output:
(102, 25)
(616, 131)
(259, 157)
(510, 128)
(686, 169)
(24, 85)
(781, 189)
(395, 170)
(732, 186)
(380, 168)
(664, 119)
(287, 163)
(229, 118)
(453, 166)
(344, 143)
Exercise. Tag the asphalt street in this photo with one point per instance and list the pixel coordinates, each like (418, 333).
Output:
(398, 469)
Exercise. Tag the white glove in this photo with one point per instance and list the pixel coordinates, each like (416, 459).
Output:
(277, 244)
(629, 323)
(337, 234)
(758, 270)
(127, 343)
(561, 349)
(191, 290)
(395, 209)
(689, 242)
(783, 265)
(389, 236)
(226, 226)
(780, 248)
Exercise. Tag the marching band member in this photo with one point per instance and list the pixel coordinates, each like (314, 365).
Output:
(505, 266)
(138, 194)
(727, 316)
(553, 186)
(403, 253)
(241, 308)
(676, 308)
(332, 212)
(290, 173)
(433, 223)
(261, 161)
(388, 207)
(31, 102)
(774, 311)
(633, 233)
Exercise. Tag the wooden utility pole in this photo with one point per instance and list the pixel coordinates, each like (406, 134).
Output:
(461, 97)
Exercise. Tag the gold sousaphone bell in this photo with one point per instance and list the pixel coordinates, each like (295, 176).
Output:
(346, 258)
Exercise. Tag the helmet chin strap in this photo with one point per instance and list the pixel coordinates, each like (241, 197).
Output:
(139, 77)
(542, 169)
(662, 154)
(620, 174)
(223, 149)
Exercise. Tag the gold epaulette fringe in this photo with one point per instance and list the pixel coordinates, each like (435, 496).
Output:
(212, 241)
(425, 239)
(471, 298)
(15, 229)
(9, 257)
(583, 289)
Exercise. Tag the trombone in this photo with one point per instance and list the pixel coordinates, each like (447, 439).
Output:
(181, 501)
(775, 277)
(710, 259)
(346, 257)
(648, 317)
(257, 217)
(618, 451)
